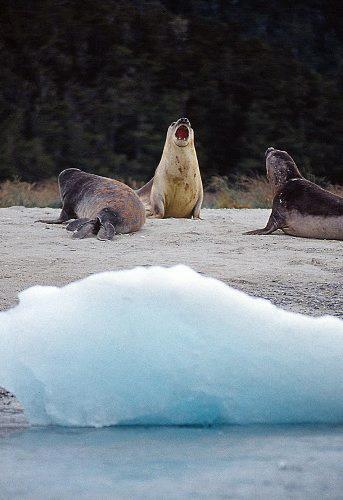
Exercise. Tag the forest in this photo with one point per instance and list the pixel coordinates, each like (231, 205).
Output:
(95, 85)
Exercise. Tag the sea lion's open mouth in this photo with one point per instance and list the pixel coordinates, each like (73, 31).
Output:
(182, 133)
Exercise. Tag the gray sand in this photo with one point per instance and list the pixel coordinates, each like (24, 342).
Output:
(302, 275)
(11, 412)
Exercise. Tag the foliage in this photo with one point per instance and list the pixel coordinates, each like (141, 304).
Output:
(94, 85)
(248, 192)
(220, 192)
(21, 193)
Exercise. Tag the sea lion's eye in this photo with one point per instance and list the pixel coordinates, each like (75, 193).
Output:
(172, 124)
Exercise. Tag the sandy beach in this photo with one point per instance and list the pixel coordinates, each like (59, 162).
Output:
(301, 275)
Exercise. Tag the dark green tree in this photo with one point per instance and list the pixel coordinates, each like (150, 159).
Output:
(94, 85)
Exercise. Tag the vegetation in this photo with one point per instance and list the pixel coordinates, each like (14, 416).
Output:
(94, 85)
(243, 192)
(247, 192)
(19, 193)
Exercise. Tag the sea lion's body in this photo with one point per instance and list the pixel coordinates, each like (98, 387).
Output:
(176, 189)
(99, 205)
(310, 211)
(300, 207)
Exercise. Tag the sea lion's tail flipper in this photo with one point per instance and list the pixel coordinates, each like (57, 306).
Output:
(108, 219)
(76, 224)
(86, 229)
(106, 231)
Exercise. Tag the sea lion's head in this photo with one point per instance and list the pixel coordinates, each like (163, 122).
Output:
(280, 168)
(181, 133)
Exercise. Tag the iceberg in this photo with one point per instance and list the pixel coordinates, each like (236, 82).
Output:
(167, 346)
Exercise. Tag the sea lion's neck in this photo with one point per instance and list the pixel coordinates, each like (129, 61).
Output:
(179, 160)
(283, 173)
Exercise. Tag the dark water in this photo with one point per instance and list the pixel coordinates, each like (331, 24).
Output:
(258, 462)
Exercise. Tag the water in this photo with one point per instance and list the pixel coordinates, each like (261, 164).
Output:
(259, 462)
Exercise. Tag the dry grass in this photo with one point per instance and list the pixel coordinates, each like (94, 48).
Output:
(19, 193)
(244, 192)
(336, 189)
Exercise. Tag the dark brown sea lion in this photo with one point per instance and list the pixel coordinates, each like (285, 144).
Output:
(300, 207)
(176, 188)
(100, 205)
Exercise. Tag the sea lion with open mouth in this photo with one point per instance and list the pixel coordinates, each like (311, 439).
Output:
(300, 207)
(100, 205)
(176, 188)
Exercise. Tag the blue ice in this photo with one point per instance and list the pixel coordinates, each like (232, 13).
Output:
(167, 346)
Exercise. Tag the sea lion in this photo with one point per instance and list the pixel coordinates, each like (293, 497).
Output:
(176, 188)
(100, 205)
(300, 207)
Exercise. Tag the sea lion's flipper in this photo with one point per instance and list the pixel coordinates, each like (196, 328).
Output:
(144, 191)
(75, 224)
(157, 204)
(275, 222)
(197, 208)
(65, 215)
(149, 212)
(86, 229)
(264, 230)
(106, 231)
(144, 194)
(51, 221)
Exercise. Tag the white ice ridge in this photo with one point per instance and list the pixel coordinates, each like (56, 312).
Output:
(167, 346)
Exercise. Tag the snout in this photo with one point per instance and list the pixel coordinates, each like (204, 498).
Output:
(184, 121)
(269, 150)
(182, 131)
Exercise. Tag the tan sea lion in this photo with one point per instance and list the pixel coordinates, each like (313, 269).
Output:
(176, 188)
(300, 207)
(100, 205)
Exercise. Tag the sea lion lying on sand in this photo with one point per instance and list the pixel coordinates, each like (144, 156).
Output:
(176, 188)
(100, 205)
(300, 207)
